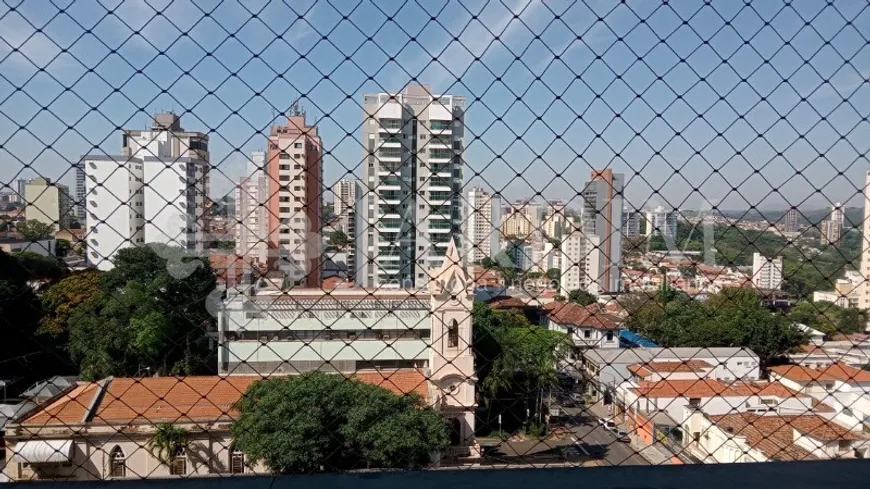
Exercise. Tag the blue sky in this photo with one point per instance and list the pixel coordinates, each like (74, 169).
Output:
(724, 102)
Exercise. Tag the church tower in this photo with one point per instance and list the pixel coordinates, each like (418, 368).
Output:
(451, 358)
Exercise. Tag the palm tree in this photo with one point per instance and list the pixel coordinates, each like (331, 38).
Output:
(166, 441)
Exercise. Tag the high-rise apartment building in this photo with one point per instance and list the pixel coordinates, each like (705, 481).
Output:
(553, 220)
(661, 222)
(631, 220)
(791, 220)
(48, 202)
(483, 216)
(602, 216)
(344, 201)
(79, 210)
(155, 191)
(251, 213)
(832, 229)
(515, 224)
(295, 177)
(766, 272)
(410, 197)
(580, 261)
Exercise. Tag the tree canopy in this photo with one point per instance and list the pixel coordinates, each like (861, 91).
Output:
(323, 422)
(149, 315)
(828, 317)
(62, 299)
(33, 230)
(25, 357)
(733, 317)
(582, 297)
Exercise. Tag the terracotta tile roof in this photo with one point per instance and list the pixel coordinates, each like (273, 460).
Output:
(66, 408)
(768, 434)
(774, 435)
(837, 371)
(646, 369)
(180, 399)
(573, 314)
(712, 388)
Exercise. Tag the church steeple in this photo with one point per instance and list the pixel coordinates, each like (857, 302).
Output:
(451, 358)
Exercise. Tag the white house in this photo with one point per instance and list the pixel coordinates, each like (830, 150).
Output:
(750, 437)
(845, 388)
(588, 327)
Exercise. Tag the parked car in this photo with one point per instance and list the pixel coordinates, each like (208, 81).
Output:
(578, 398)
(608, 424)
(620, 435)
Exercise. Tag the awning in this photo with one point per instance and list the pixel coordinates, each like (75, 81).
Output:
(42, 452)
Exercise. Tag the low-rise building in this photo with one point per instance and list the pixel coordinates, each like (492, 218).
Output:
(607, 368)
(845, 388)
(751, 437)
(587, 326)
(100, 430)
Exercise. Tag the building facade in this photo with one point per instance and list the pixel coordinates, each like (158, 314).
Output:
(661, 222)
(791, 221)
(766, 272)
(631, 220)
(602, 216)
(80, 209)
(482, 219)
(344, 202)
(49, 203)
(832, 229)
(251, 212)
(410, 198)
(175, 172)
(155, 191)
(294, 162)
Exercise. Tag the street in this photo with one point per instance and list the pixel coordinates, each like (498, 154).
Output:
(599, 442)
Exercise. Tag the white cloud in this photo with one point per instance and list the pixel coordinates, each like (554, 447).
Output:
(476, 41)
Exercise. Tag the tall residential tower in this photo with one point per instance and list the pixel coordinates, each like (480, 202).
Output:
(410, 196)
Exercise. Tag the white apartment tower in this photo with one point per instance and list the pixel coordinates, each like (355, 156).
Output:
(155, 191)
(580, 261)
(251, 216)
(483, 216)
(411, 190)
(766, 272)
(661, 222)
(602, 216)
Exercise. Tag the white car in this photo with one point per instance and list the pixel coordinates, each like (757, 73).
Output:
(607, 424)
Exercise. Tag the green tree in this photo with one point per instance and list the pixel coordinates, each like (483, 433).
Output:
(582, 297)
(62, 299)
(339, 239)
(554, 274)
(733, 317)
(33, 230)
(39, 267)
(24, 356)
(149, 315)
(321, 422)
(166, 441)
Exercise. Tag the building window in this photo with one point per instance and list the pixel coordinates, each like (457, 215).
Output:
(609, 336)
(587, 333)
(695, 401)
(178, 463)
(237, 461)
(118, 461)
(453, 334)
